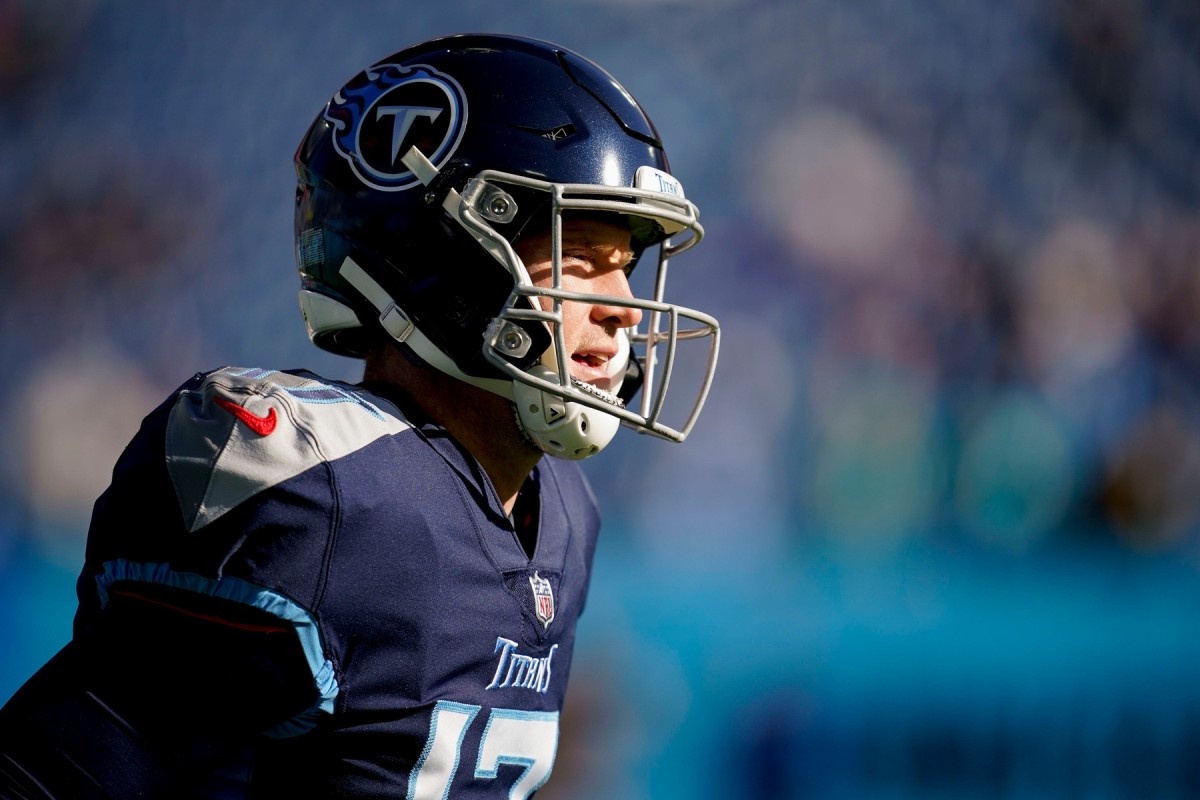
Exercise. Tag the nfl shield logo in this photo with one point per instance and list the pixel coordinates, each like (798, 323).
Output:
(543, 599)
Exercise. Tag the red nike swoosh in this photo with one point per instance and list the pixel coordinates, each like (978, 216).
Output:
(263, 426)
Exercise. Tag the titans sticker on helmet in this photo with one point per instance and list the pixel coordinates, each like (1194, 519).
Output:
(655, 180)
(388, 109)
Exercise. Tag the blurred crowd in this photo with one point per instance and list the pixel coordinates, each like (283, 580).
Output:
(957, 281)
(954, 248)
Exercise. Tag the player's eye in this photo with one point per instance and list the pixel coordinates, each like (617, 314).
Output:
(578, 262)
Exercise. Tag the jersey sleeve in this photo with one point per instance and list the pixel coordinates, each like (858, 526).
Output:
(229, 494)
(164, 696)
(198, 626)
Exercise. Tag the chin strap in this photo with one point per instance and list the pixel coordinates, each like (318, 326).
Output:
(403, 330)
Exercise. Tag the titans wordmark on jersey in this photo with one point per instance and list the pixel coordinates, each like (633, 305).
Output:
(438, 649)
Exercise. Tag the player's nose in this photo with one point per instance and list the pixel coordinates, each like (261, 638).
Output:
(615, 284)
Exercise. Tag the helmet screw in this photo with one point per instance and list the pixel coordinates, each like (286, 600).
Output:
(429, 198)
(512, 340)
(498, 205)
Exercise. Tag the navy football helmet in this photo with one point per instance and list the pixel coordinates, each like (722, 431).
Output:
(419, 175)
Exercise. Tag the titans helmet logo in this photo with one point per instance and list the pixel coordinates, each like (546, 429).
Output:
(388, 109)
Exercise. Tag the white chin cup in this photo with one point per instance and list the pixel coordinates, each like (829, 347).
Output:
(559, 427)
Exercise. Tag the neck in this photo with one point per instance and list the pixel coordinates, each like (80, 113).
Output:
(506, 457)
(483, 423)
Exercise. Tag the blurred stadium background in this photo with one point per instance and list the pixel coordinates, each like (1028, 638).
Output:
(936, 535)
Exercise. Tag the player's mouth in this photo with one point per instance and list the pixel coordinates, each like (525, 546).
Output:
(592, 367)
(591, 359)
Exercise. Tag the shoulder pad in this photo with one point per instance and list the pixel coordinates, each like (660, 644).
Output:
(237, 432)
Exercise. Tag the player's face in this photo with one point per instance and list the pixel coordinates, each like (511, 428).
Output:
(595, 255)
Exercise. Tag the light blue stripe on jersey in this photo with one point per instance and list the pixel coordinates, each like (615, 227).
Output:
(249, 594)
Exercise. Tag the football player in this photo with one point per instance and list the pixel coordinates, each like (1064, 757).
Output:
(296, 587)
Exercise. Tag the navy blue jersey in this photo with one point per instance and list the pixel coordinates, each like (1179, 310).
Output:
(402, 641)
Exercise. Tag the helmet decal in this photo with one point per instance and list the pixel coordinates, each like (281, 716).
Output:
(387, 110)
